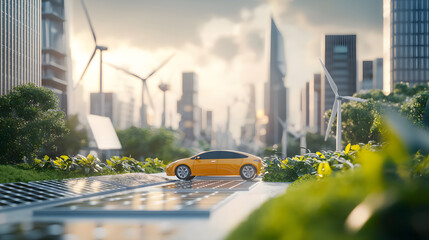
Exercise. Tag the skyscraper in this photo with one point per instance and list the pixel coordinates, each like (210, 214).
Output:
(20, 43)
(378, 74)
(275, 90)
(248, 131)
(55, 54)
(188, 108)
(339, 55)
(367, 75)
(111, 106)
(405, 42)
(315, 103)
(305, 105)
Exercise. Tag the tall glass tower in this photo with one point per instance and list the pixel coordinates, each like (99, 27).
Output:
(20, 43)
(275, 90)
(405, 42)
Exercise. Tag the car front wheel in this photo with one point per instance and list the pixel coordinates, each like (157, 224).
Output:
(183, 172)
(248, 172)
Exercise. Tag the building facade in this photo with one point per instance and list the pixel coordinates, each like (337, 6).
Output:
(187, 107)
(20, 42)
(339, 55)
(367, 75)
(55, 54)
(315, 100)
(405, 42)
(275, 90)
(377, 73)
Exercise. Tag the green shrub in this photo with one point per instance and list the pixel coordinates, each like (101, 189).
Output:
(321, 164)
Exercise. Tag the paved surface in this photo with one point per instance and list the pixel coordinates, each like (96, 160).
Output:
(206, 208)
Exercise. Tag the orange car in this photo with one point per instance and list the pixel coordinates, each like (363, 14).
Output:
(211, 163)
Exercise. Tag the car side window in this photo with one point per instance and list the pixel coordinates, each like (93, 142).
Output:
(209, 155)
(228, 155)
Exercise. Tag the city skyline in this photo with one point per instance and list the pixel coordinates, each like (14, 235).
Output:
(226, 46)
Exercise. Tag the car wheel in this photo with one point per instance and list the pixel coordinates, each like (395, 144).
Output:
(183, 172)
(248, 172)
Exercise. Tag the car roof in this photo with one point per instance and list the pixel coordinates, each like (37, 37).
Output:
(248, 154)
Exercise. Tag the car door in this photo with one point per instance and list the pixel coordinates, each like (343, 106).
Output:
(229, 163)
(205, 164)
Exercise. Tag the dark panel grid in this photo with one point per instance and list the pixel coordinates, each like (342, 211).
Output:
(22, 194)
(210, 185)
(83, 186)
(141, 204)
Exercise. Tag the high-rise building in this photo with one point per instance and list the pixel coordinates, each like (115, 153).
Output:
(55, 54)
(20, 43)
(405, 42)
(188, 108)
(111, 106)
(315, 100)
(248, 131)
(367, 75)
(377, 82)
(339, 55)
(275, 90)
(305, 105)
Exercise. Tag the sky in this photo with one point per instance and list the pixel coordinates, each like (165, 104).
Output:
(223, 42)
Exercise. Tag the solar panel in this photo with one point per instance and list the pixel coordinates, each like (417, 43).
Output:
(210, 185)
(14, 195)
(141, 203)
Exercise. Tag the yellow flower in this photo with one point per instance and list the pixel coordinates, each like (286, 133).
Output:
(356, 147)
(324, 170)
(347, 150)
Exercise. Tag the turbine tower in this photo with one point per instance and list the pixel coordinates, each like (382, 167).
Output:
(99, 48)
(336, 108)
(143, 117)
(164, 87)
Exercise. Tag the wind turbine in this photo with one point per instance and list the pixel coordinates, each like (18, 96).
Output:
(144, 87)
(164, 87)
(336, 108)
(101, 49)
(302, 135)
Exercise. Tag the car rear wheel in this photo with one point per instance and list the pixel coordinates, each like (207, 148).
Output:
(183, 172)
(248, 172)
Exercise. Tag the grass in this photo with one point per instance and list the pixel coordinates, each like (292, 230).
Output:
(24, 173)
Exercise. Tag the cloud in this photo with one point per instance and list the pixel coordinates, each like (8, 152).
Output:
(225, 48)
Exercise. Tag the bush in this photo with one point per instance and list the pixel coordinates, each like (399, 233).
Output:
(321, 164)
(29, 121)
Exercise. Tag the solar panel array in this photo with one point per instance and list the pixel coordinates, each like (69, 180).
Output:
(13, 195)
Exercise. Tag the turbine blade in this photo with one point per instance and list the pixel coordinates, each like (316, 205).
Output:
(330, 80)
(159, 67)
(124, 70)
(281, 122)
(148, 95)
(354, 99)
(87, 66)
(89, 21)
(331, 120)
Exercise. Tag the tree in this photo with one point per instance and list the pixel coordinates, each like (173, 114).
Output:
(70, 143)
(141, 143)
(29, 120)
(414, 109)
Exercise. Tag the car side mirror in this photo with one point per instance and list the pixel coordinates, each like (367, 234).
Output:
(198, 157)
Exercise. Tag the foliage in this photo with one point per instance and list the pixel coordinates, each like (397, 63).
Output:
(316, 142)
(29, 120)
(361, 122)
(415, 108)
(70, 143)
(144, 142)
(321, 164)
(91, 164)
(387, 198)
